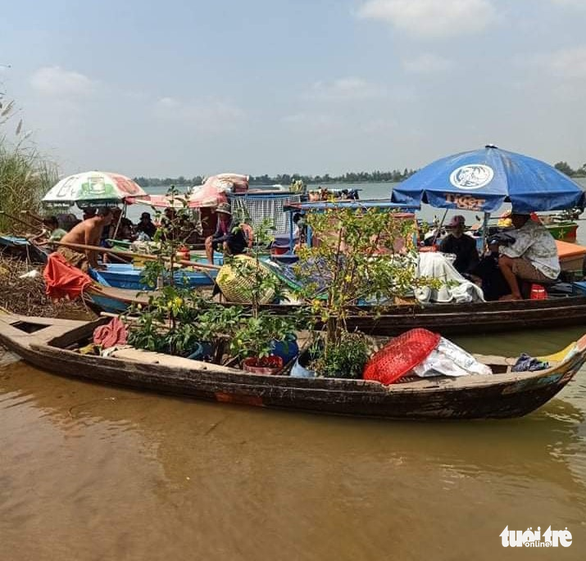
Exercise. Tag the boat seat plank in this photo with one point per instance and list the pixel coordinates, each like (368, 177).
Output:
(150, 357)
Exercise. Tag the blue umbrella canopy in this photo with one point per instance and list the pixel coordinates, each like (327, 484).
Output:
(482, 180)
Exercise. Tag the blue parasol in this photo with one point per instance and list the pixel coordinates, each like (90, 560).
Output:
(482, 180)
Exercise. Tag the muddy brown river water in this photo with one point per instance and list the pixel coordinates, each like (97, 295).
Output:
(89, 472)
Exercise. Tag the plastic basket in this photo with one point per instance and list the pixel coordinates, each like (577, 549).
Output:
(401, 355)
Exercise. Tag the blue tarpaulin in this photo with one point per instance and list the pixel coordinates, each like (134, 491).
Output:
(482, 180)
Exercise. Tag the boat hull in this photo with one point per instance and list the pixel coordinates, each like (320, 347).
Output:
(447, 319)
(477, 397)
(126, 276)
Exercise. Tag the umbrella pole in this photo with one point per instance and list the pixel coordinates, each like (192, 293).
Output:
(485, 230)
(123, 213)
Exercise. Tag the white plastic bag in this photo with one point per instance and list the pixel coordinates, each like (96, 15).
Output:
(448, 359)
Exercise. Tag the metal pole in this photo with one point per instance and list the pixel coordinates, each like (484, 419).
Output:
(485, 230)
(291, 243)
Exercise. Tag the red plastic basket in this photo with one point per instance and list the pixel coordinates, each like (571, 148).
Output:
(400, 356)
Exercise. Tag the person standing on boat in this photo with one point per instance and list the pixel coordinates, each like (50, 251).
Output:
(533, 256)
(461, 245)
(227, 238)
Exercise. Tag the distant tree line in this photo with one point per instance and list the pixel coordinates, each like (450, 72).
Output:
(168, 181)
(286, 179)
(564, 167)
(351, 177)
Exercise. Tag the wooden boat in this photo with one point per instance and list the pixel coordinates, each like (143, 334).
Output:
(21, 248)
(565, 231)
(486, 317)
(50, 344)
(126, 275)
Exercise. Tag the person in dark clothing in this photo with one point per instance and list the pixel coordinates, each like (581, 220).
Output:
(227, 237)
(488, 275)
(461, 245)
(146, 225)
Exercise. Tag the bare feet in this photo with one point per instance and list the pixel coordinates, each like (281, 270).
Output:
(510, 297)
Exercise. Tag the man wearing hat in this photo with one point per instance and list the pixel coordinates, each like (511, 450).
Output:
(460, 244)
(146, 225)
(227, 237)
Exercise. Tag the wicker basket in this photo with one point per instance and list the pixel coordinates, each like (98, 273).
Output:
(237, 287)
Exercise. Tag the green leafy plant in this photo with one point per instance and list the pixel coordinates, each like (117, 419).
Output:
(359, 256)
(254, 336)
(345, 359)
(262, 282)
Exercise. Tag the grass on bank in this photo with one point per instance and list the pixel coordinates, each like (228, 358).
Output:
(25, 176)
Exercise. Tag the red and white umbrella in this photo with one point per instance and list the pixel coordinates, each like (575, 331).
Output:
(210, 194)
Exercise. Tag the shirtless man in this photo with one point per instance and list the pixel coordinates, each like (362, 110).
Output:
(88, 232)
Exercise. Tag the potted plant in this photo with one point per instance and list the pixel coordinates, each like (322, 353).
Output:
(364, 255)
(265, 343)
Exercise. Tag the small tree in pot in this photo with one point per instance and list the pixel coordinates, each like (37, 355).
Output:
(364, 255)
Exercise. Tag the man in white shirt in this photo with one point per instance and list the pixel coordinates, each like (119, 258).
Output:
(533, 256)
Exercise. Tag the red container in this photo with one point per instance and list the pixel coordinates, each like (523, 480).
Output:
(538, 292)
(267, 365)
(279, 249)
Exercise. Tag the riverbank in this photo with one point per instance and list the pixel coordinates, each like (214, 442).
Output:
(27, 295)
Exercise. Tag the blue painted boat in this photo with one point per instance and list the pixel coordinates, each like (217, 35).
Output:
(106, 302)
(126, 275)
(18, 246)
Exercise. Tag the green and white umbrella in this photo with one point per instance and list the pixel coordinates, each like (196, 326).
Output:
(95, 187)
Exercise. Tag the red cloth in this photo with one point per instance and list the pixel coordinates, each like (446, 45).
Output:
(62, 279)
(111, 334)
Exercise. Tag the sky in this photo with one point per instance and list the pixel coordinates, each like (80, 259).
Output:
(303, 86)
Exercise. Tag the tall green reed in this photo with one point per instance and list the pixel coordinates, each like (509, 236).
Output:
(25, 174)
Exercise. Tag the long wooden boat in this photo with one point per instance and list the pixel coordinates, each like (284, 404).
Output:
(49, 344)
(447, 319)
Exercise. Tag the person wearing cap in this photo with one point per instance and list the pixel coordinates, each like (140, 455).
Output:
(533, 256)
(146, 225)
(460, 244)
(227, 238)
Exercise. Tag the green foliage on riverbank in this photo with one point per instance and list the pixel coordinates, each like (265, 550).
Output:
(25, 174)
(564, 167)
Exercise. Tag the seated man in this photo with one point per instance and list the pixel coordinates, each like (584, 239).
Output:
(227, 237)
(88, 232)
(533, 256)
(461, 245)
(146, 225)
(488, 276)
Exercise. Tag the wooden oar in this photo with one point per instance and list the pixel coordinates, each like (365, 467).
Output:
(17, 219)
(201, 266)
(32, 216)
